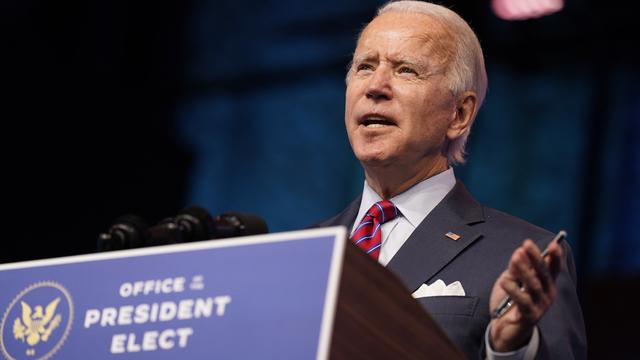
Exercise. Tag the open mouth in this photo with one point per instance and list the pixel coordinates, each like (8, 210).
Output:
(374, 121)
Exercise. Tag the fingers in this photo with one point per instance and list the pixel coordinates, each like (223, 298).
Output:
(554, 259)
(521, 299)
(524, 268)
(530, 279)
(550, 266)
(539, 268)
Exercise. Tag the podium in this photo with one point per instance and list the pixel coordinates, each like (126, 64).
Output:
(297, 295)
(389, 323)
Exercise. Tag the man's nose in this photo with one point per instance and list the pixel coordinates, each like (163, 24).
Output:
(379, 87)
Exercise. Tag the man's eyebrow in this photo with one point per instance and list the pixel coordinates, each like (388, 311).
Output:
(394, 60)
(403, 60)
(364, 57)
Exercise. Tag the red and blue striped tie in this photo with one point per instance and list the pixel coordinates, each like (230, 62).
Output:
(368, 235)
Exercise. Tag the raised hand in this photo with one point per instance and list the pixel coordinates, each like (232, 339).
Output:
(530, 282)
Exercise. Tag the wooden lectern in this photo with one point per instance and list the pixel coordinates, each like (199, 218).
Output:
(377, 318)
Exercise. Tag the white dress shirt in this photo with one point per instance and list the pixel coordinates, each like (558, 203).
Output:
(414, 205)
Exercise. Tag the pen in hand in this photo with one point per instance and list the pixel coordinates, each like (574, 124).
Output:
(507, 301)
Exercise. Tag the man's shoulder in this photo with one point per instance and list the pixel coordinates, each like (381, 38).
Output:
(497, 221)
(346, 217)
(332, 221)
(460, 202)
(492, 223)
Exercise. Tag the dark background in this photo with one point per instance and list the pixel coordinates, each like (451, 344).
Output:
(114, 107)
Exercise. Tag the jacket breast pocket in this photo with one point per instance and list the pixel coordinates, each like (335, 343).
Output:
(450, 305)
(460, 318)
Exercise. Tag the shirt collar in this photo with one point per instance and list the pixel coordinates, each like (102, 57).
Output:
(416, 202)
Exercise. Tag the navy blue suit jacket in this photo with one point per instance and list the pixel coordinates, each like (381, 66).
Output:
(488, 238)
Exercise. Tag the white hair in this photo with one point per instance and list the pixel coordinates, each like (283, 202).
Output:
(466, 71)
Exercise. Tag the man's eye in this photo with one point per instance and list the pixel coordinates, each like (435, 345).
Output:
(407, 70)
(364, 67)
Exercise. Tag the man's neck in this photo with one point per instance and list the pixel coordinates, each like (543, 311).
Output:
(389, 182)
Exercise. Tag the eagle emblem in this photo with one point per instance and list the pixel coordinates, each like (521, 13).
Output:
(36, 325)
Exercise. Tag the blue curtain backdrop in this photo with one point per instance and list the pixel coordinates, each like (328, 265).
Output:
(556, 142)
(264, 119)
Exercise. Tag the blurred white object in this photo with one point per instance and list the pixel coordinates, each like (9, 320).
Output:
(525, 9)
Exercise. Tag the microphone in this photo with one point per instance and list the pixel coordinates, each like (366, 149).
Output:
(234, 224)
(194, 224)
(191, 224)
(128, 231)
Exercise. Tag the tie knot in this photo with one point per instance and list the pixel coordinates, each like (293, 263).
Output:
(383, 211)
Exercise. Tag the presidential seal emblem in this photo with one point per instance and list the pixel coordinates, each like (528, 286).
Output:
(37, 322)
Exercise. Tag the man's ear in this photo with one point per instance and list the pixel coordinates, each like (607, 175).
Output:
(464, 111)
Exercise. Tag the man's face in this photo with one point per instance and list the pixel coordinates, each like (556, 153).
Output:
(398, 105)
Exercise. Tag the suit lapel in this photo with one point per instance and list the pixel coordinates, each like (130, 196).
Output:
(428, 249)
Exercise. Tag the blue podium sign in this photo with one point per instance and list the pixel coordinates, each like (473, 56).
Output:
(259, 297)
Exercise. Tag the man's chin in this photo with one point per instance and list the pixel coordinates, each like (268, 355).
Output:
(375, 161)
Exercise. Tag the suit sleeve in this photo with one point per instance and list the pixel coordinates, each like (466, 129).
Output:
(562, 331)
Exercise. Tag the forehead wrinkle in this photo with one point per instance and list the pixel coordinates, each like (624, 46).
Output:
(435, 36)
(366, 55)
(395, 58)
(433, 51)
(440, 39)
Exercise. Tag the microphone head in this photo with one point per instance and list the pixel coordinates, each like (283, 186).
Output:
(233, 224)
(128, 231)
(195, 224)
(165, 232)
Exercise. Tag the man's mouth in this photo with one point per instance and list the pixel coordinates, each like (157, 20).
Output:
(376, 121)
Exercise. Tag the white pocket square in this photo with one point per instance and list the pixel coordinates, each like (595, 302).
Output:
(438, 288)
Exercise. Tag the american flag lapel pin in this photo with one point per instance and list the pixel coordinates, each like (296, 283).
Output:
(453, 236)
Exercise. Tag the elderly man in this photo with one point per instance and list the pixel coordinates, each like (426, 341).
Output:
(414, 87)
